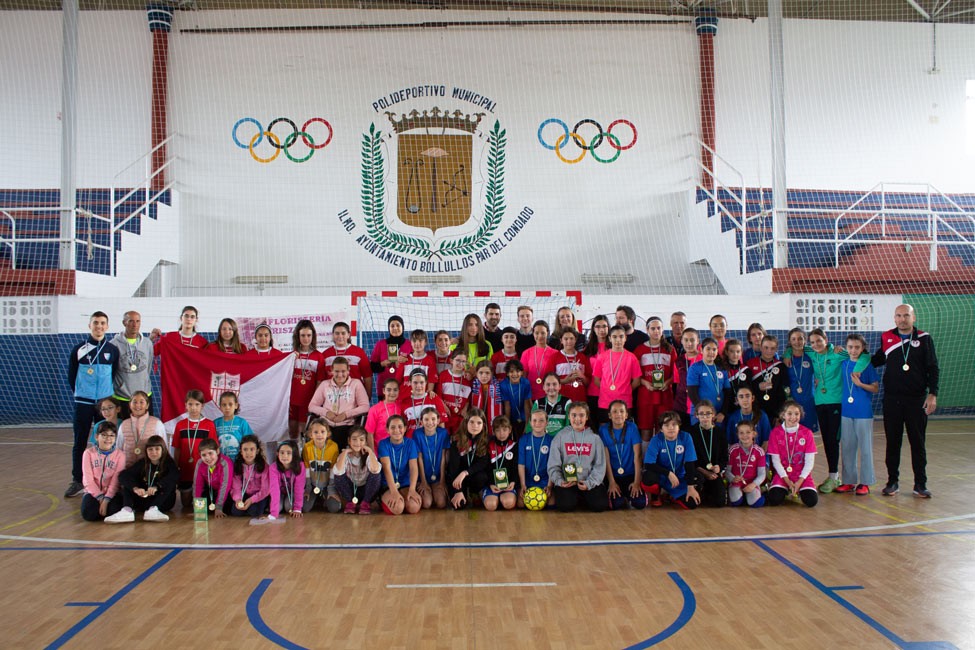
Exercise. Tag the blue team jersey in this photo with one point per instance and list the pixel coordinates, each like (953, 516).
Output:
(619, 446)
(862, 406)
(515, 395)
(672, 455)
(431, 448)
(533, 454)
(399, 459)
(230, 434)
(763, 427)
(711, 382)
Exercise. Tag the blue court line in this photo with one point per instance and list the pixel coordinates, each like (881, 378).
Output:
(869, 620)
(84, 604)
(845, 587)
(254, 616)
(93, 545)
(686, 612)
(101, 608)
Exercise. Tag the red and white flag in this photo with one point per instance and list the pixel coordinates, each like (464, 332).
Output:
(263, 386)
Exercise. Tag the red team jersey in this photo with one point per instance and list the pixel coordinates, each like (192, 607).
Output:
(270, 353)
(655, 358)
(359, 366)
(498, 361)
(443, 363)
(186, 441)
(309, 370)
(427, 363)
(413, 407)
(195, 341)
(455, 393)
(565, 365)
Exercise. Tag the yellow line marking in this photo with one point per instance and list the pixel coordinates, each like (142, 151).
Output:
(887, 504)
(51, 508)
(892, 517)
(42, 526)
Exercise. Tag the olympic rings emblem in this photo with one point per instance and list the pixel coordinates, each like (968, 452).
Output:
(275, 141)
(589, 145)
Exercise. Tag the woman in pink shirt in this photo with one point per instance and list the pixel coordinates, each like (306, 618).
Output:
(617, 373)
(340, 400)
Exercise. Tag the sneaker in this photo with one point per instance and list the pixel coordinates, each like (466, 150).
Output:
(123, 516)
(74, 489)
(153, 514)
(365, 508)
(922, 492)
(862, 490)
(349, 508)
(846, 488)
(656, 501)
(890, 489)
(680, 504)
(829, 485)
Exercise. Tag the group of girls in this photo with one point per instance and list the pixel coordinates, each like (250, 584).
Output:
(451, 418)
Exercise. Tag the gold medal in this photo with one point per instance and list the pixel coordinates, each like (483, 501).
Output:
(799, 390)
(710, 466)
(240, 505)
(575, 384)
(766, 397)
(317, 490)
(789, 469)
(456, 410)
(397, 485)
(536, 478)
(906, 367)
(91, 371)
(137, 451)
(303, 382)
(133, 367)
(355, 501)
(212, 507)
(850, 399)
(433, 478)
(537, 381)
(620, 471)
(612, 386)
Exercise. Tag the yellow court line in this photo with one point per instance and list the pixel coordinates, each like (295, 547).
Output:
(51, 508)
(887, 504)
(42, 527)
(892, 517)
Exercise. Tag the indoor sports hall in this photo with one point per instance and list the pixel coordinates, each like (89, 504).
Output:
(761, 207)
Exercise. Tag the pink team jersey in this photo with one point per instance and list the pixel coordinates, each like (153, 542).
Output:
(377, 418)
(616, 371)
(745, 463)
(538, 362)
(791, 448)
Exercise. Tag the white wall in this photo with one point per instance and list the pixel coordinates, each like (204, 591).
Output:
(114, 83)
(861, 104)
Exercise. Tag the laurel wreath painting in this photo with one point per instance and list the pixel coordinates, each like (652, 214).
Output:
(374, 205)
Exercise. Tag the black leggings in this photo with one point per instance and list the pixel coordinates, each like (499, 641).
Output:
(714, 493)
(776, 496)
(567, 498)
(829, 427)
(162, 500)
(90, 505)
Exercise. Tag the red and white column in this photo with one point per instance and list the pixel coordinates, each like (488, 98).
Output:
(160, 22)
(706, 25)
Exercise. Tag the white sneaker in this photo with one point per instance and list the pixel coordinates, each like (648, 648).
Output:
(123, 516)
(153, 514)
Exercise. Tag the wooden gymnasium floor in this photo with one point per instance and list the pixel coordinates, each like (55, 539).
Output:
(861, 572)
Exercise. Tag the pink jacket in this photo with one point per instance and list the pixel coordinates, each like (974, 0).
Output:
(258, 484)
(99, 472)
(218, 482)
(351, 399)
(279, 480)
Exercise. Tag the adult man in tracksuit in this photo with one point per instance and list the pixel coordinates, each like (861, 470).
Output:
(910, 396)
(91, 366)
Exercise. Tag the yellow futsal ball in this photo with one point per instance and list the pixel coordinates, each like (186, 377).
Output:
(535, 498)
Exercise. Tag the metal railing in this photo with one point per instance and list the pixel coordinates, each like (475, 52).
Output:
(145, 185)
(738, 212)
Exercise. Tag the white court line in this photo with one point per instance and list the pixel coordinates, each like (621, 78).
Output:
(452, 545)
(474, 585)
